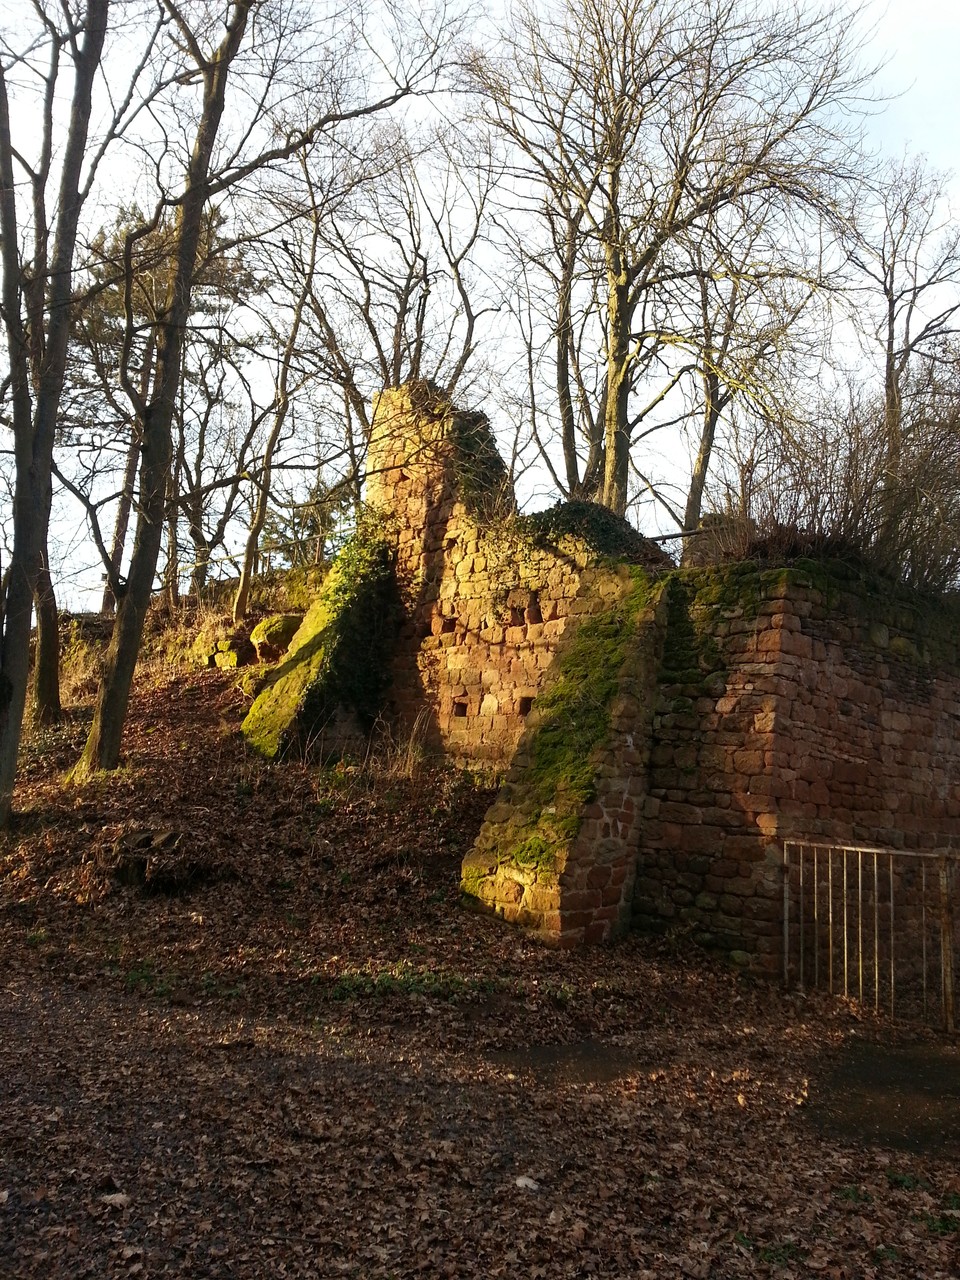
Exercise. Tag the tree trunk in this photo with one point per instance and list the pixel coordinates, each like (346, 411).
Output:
(888, 537)
(250, 552)
(102, 749)
(201, 570)
(708, 432)
(565, 344)
(171, 574)
(616, 429)
(34, 424)
(252, 547)
(109, 603)
(46, 669)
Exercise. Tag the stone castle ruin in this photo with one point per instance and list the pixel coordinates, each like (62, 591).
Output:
(659, 732)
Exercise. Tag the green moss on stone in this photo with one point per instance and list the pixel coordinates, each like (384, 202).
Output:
(473, 881)
(603, 532)
(691, 653)
(902, 647)
(844, 589)
(482, 478)
(339, 658)
(276, 631)
(571, 718)
(536, 852)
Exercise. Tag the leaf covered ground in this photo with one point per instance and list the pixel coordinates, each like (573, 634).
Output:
(247, 1031)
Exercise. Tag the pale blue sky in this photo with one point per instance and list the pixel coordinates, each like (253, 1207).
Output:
(920, 41)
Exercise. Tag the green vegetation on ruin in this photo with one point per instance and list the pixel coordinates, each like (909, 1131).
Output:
(691, 653)
(571, 719)
(603, 532)
(339, 660)
(482, 479)
(277, 630)
(848, 588)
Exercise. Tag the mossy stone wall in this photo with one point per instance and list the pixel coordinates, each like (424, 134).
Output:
(558, 851)
(661, 731)
(487, 595)
(331, 686)
(799, 702)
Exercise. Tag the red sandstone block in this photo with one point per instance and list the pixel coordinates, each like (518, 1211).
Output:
(744, 886)
(580, 900)
(748, 762)
(598, 877)
(607, 916)
(574, 919)
(701, 839)
(686, 814)
(762, 909)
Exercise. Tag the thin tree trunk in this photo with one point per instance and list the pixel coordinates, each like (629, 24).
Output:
(102, 749)
(248, 569)
(890, 499)
(46, 670)
(27, 516)
(109, 603)
(201, 569)
(171, 574)
(564, 341)
(708, 432)
(251, 550)
(34, 424)
(616, 423)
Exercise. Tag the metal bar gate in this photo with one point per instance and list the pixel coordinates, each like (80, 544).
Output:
(874, 925)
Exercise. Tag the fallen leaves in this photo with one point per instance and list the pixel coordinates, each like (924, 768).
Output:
(317, 1065)
(117, 1200)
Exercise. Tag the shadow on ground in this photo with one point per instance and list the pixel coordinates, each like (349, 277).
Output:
(906, 1097)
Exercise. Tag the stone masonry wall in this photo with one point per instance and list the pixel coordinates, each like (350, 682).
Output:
(789, 707)
(486, 606)
(741, 705)
(561, 858)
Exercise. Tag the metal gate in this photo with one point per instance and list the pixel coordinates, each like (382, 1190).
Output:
(874, 925)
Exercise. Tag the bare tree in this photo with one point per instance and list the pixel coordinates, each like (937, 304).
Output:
(37, 253)
(641, 121)
(255, 37)
(748, 346)
(373, 269)
(100, 447)
(278, 417)
(907, 247)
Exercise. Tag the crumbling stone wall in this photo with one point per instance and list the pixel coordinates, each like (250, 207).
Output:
(558, 851)
(487, 600)
(733, 706)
